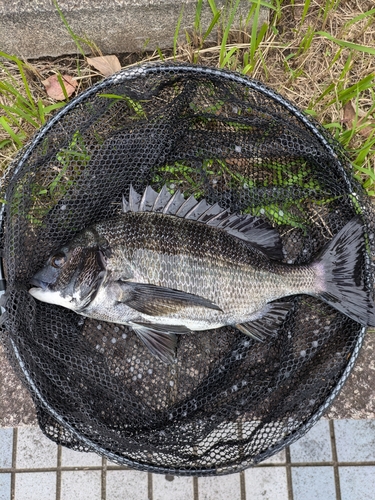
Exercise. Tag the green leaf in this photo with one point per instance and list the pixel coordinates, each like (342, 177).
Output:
(213, 7)
(22, 114)
(228, 56)
(17, 138)
(348, 45)
(223, 46)
(212, 24)
(176, 32)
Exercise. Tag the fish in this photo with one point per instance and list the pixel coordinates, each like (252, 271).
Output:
(167, 266)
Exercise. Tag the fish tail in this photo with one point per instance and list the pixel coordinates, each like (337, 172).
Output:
(340, 277)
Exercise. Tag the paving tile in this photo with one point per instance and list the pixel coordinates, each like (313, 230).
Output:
(315, 446)
(267, 483)
(5, 486)
(71, 458)
(219, 488)
(313, 483)
(35, 486)
(178, 488)
(127, 484)
(81, 485)
(34, 450)
(279, 458)
(6, 447)
(355, 440)
(357, 483)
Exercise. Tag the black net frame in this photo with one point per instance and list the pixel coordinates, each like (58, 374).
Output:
(228, 403)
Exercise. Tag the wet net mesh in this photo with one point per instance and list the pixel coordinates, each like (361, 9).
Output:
(228, 402)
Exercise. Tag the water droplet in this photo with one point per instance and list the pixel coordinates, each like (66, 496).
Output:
(237, 149)
(303, 353)
(315, 343)
(113, 340)
(63, 207)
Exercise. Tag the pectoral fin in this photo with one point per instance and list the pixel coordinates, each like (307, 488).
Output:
(159, 301)
(268, 323)
(160, 339)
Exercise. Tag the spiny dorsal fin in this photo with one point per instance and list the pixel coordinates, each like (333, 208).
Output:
(134, 199)
(252, 230)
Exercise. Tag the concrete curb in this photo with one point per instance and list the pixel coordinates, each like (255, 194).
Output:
(34, 29)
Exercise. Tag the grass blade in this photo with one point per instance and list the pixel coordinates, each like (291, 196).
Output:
(12, 110)
(346, 94)
(305, 10)
(262, 3)
(355, 19)
(69, 29)
(254, 28)
(198, 13)
(229, 55)
(4, 143)
(348, 45)
(177, 32)
(226, 33)
(213, 23)
(26, 85)
(17, 139)
(213, 7)
(6, 87)
(60, 80)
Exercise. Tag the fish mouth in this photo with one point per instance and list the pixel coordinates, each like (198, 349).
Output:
(38, 283)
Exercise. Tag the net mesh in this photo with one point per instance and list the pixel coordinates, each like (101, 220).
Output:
(228, 402)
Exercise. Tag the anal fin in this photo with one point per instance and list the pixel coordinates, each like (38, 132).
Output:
(268, 324)
(161, 340)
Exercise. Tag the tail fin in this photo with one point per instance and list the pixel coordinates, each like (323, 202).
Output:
(339, 268)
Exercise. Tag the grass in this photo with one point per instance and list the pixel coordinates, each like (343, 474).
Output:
(318, 53)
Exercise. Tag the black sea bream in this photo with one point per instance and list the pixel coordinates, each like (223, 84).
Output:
(169, 266)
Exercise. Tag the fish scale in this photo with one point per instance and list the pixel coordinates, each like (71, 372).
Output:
(221, 268)
(170, 266)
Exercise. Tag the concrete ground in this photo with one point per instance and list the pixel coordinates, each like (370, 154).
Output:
(334, 461)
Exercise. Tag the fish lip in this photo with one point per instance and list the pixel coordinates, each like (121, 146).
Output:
(39, 283)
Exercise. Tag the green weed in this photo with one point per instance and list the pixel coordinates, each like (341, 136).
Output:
(21, 113)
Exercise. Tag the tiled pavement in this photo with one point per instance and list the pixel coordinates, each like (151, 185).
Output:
(334, 461)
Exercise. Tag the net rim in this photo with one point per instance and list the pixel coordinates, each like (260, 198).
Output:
(144, 71)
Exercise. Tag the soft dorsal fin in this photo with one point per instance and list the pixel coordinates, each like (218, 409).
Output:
(252, 230)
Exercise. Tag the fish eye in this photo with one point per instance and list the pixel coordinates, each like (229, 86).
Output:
(58, 260)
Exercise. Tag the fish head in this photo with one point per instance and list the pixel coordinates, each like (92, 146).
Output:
(71, 277)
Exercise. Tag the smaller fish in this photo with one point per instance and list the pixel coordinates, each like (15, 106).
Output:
(169, 265)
